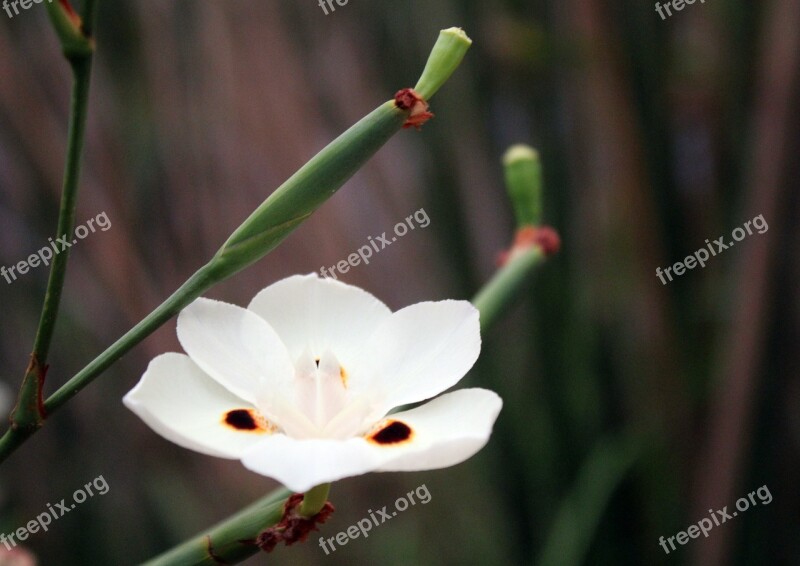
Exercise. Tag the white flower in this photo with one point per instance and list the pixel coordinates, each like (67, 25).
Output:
(299, 384)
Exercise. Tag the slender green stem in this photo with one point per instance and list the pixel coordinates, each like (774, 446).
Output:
(314, 499)
(28, 414)
(193, 288)
(507, 283)
(197, 284)
(578, 518)
(89, 15)
(69, 198)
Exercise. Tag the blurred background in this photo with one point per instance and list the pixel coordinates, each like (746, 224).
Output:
(631, 407)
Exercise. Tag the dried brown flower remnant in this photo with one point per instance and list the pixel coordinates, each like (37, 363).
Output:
(292, 527)
(409, 99)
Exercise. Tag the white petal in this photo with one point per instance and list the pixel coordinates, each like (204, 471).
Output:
(444, 432)
(183, 404)
(447, 430)
(420, 351)
(315, 314)
(237, 348)
(302, 464)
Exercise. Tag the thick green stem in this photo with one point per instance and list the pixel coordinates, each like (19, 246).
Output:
(232, 540)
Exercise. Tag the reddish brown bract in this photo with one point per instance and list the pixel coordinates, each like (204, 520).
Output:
(409, 99)
(292, 527)
(543, 237)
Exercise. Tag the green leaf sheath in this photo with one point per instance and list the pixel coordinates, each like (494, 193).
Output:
(308, 189)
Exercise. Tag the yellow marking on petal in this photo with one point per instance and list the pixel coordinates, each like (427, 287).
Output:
(343, 375)
(391, 433)
(248, 420)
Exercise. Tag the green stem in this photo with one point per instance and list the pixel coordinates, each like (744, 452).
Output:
(446, 55)
(503, 288)
(578, 518)
(89, 15)
(193, 288)
(229, 541)
(314, 499)
(69, 198)
(197, 284)
(28, 414)
(523, 173)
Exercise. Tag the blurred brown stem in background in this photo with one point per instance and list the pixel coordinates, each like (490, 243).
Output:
(723, 464)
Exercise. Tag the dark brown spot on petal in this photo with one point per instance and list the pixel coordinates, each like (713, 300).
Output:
(247, 420)
(317, 361)
(393, 432)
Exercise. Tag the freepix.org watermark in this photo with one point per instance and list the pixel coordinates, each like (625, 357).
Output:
(717, 518)
(364, 526)
(55, 247)
(327, 5)
(24, 4)
(678, 5)
(55, 512)
(377, 244)
(701, 256)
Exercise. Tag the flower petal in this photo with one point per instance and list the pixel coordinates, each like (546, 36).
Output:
(183, 404)
(313, 314)
(420, 351)
(237, 348)
(442, 433)
(446, 431)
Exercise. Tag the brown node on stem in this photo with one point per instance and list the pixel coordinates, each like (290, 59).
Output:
(543, 237)
(409, 99)
(293, 527)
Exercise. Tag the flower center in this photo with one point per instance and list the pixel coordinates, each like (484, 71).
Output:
(320, 387)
